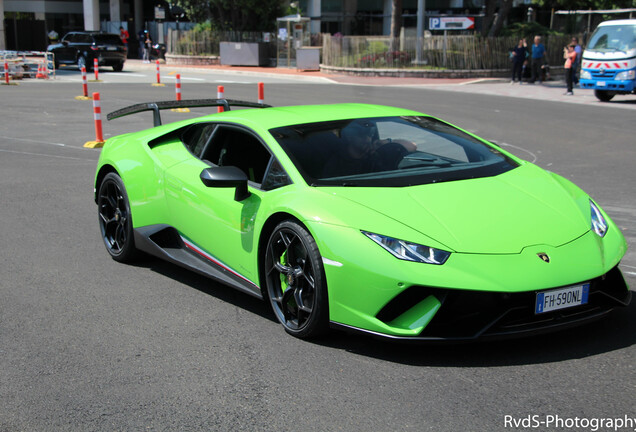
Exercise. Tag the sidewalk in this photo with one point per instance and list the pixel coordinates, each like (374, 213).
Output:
(553, 90)
(133, 64)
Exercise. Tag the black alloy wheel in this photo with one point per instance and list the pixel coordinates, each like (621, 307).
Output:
(115, 219)
(296, 284)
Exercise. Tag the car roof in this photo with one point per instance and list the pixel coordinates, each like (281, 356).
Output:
(618, 22)
(92, 33)
(301, 114)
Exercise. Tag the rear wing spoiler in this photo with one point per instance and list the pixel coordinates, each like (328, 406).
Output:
(156, 107)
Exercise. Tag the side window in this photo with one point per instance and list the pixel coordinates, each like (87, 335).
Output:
(276, 177)
(69, 38)
(235, 147)
(196, 137)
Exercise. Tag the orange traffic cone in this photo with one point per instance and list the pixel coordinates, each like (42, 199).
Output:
(40, 73)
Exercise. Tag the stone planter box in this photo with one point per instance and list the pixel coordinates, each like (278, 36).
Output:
(244, 54)
(308, 58)
(178, 59)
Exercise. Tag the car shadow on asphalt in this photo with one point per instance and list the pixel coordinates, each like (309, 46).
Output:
(614, 332)
(207, 286)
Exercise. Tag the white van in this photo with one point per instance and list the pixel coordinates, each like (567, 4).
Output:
(609, 60)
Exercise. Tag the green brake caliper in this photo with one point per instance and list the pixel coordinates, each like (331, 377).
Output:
(283, 277)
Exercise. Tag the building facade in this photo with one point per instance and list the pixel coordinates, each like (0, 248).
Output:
(373, 17)
(27, 22)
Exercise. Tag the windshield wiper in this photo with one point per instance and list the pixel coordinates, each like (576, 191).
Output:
(420, 158)
(415, 161)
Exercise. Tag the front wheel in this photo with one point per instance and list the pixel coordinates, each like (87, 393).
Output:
(603, 95)
(295, 280)
(115, 219)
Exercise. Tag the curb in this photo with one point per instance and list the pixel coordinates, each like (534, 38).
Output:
(415, 73)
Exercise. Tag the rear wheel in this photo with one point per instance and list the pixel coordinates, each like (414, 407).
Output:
(295, 278)
(115, 219)
(118, 67)
(603, 95)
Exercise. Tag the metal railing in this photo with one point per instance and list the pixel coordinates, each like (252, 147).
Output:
(205, 43)
(464, 52)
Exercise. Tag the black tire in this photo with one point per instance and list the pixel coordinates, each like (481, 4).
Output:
(118, 67)
(295, 281)
(603, 95)
(115, 219)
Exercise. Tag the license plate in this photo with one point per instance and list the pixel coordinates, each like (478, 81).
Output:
(600, 83)
(111, 48)
(561, 298)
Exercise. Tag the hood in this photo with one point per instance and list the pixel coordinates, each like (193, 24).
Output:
(495, 215)
(623, 59)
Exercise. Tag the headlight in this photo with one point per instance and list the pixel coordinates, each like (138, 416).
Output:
(409, 251)
(599, 226)
(627, 75)
(586, 75)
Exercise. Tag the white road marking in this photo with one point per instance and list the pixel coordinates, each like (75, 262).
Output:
(124, 75)
(534, 157)
(46, 155)
(232, 82)
(184, 78)
(36, 141)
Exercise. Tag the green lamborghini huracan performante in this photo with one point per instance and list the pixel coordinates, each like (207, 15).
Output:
(361, 217)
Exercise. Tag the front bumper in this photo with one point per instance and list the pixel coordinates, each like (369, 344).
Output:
(608, 85)
(472, 315)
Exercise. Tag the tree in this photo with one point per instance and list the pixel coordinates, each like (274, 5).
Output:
(493, 22)
(586, 4)
(504, 10)
(237, 15)
(396, 23)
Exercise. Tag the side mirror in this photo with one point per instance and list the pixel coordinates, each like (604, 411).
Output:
(225, 177)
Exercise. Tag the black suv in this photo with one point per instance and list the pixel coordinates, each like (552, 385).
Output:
(81, 48)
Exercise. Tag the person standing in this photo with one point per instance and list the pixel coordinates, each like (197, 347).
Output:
(141, 38)
(538, 56)
(519, 54)
(575, 68)
(147, 48)
(570, 60)
(123, 34)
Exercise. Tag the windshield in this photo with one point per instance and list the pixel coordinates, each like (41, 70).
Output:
(613, 38)
(387, 151)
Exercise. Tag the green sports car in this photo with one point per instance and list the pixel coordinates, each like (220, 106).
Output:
(366, 218)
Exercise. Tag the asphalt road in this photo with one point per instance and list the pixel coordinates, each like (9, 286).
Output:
(87, 344)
